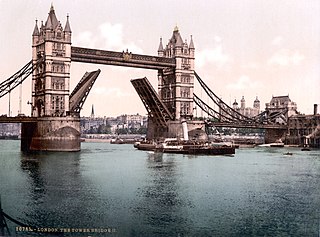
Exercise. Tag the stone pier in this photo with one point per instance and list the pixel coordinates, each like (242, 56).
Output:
(174, 129)
(51, 134)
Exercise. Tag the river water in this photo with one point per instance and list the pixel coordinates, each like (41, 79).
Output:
(115, 190)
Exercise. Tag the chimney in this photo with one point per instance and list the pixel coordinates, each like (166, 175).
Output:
(315, 109)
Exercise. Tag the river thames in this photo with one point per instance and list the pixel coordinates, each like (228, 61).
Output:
(115, 190)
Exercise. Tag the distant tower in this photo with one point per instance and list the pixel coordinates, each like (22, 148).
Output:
(243, 103)
(235, 104)
(92, 112)
(50, 82)
(176, 86)
(256, 104)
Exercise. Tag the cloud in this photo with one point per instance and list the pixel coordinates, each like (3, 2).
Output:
(114, 91)
(109, 36)
(286, 57)
(251, 65)
(277, 41)
(244, 82)
(112, 34)
(214, 56)
(217, 39)
(85, 38)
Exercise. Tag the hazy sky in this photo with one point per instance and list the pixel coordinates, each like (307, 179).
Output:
(243, 47)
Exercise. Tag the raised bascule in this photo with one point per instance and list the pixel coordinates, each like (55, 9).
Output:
(54, 124)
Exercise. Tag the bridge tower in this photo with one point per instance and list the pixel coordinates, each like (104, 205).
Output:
(176, 86)
(56, 128)
(50, 83)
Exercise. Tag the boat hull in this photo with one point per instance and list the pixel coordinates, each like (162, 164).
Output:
(185, 148)
(197, 150)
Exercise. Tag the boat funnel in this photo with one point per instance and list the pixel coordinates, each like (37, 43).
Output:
(185, 130)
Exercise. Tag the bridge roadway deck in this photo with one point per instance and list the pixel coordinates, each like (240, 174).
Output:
(24, 119)
(250, 125)
(127, 59)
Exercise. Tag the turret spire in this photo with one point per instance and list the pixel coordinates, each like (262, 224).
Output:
(52, 21)
(36, 29)
(160, 49)
(191, 46)
(67, 28)
(176, 39)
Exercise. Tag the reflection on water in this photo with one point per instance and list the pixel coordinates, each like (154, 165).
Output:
(161, 204)
(258, 192)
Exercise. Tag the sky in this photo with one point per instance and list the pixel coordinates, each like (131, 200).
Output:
(250, 48)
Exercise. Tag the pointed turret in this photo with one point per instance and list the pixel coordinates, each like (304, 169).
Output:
(160, 49)
(176, 38)
(52, 21)
(67, 28)
(36, 29)
(48, 24)
(42, 26)
(191, 46)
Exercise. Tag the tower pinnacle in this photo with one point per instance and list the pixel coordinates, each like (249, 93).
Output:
(191, 46)
(67, 28)
(36, 29)
(160, 49)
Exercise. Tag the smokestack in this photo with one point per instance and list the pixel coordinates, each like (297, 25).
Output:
(315, 109)
(185, 130)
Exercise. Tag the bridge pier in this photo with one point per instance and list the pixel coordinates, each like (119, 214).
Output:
(174, 129)
(51, 134)
(274, 135)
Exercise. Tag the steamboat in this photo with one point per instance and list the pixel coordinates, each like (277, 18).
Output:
(173, 145)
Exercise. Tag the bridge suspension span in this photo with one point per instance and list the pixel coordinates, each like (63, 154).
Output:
(15, 80)
(226, 114)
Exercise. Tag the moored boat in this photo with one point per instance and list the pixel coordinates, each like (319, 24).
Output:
(122, 141)
(145, 146)
(305, 149)
(275, 144)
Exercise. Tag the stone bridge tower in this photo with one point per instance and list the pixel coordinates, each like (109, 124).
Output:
(50, 83)
(56, 129)
(175, 87)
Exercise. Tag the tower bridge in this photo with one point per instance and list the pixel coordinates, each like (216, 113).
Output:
(55, 117)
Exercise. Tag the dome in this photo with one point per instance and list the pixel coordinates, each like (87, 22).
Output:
(235, 102)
